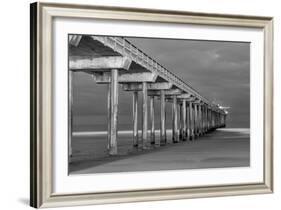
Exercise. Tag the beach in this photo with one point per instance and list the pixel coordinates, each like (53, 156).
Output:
(227, 147)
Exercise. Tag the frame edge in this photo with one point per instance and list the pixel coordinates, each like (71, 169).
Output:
(268, 106)
(33, 105)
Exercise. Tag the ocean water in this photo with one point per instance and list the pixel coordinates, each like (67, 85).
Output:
(93, 144)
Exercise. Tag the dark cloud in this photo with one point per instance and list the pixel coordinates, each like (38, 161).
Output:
(220, 71)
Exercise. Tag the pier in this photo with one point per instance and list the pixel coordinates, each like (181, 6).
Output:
(120, 65)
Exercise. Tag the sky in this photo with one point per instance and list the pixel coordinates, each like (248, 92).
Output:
(219, 71)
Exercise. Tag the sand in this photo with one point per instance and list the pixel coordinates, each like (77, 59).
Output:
(218, 149)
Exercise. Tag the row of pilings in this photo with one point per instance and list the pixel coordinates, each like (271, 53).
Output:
(116, 62)
(191, 118)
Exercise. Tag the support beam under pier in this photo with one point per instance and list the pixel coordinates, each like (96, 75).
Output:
(191, 120)
(184, 127)
(70, 116)
(152, 121)
(163, 139)
(113, 112)
(145, 142)
(175, 120)
(135, 119)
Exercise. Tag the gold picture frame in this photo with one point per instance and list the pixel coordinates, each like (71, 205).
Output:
(41, 179)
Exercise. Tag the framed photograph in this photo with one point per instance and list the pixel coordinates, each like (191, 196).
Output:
(135, 105)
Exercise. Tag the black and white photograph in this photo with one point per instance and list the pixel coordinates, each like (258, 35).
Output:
(139, 104)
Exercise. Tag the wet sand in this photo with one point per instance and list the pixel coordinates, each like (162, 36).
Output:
(221, 148)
